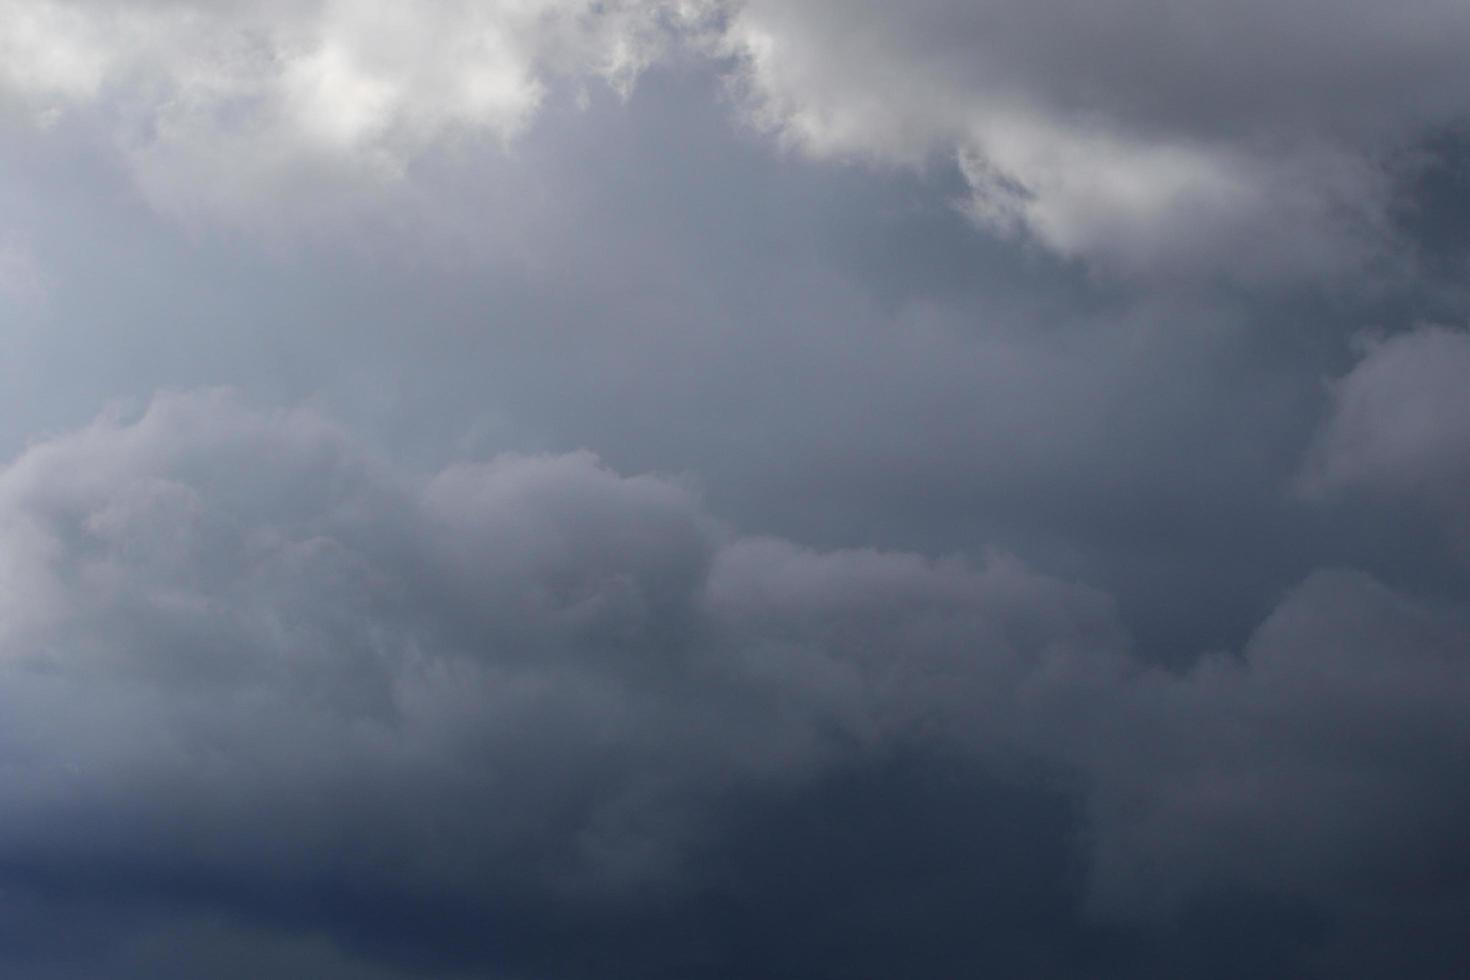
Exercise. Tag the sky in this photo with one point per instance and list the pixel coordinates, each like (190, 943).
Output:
(730, 489)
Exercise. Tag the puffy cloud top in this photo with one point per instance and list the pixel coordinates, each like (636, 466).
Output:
(237, 100)
(1400, 425)
(239, 646)
(1256, 140)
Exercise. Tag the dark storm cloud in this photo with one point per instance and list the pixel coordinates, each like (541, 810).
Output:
(1069, 619)
(247, 662)
(1399, 427)
(252, 595)
(1320, 763)
(244, 659)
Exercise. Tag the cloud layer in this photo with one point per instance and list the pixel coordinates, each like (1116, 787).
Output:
(1145, 141)
(244, 656)
(217, 107)
(1048, 557)
(1154, 140)
(1400, 425)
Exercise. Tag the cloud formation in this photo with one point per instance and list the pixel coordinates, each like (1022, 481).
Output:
(525, 668)
(1144, 141)
(1087, 595)
(241, 654)
(1399, 427)
(236, 101)
(1155, 140)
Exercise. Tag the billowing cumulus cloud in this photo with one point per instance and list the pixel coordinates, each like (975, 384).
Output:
(528, 672)
(1314, 764)
(244, 657)
(219, 106)
(1152, 139)
(1021, 533)
(1260, 141)
(1400, 425)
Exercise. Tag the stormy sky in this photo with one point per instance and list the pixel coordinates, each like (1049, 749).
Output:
(733, 489)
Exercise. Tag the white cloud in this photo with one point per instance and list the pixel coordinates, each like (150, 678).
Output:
(219, 106)
(1203, 140)
(51, 51)
(1147, 142)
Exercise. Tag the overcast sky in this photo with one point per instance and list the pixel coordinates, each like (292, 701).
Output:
(734, 489)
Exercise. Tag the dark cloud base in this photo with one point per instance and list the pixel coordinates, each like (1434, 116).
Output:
(529, 718)
(920, 866)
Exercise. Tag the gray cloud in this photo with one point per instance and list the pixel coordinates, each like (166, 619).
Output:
(1189, 142)
(890, 379)
(220, 621)
(1315, 764)
(1398, 426)
(219, 108)
(1083, 607)
(1151, 141)
(243, 652)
